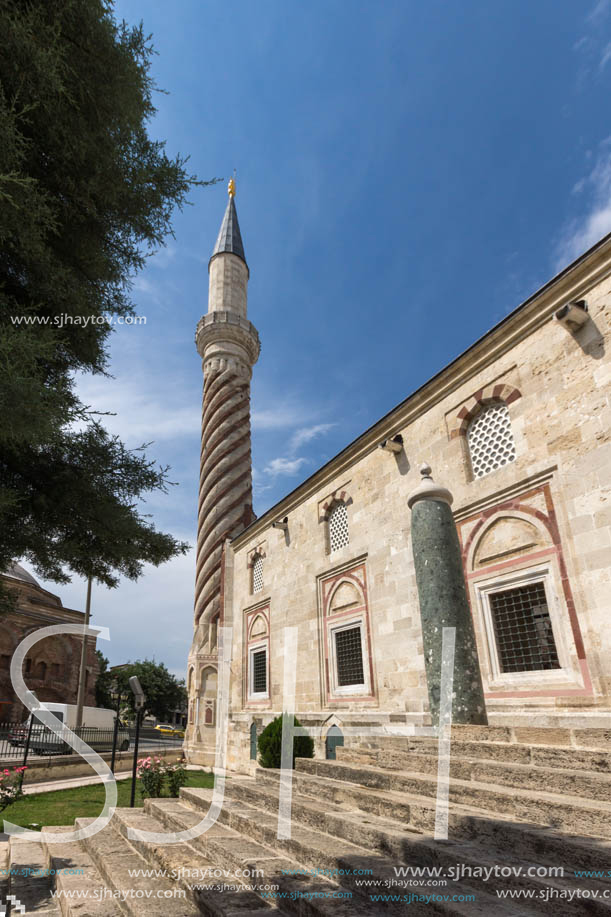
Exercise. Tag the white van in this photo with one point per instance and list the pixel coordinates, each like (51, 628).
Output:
(97, 729)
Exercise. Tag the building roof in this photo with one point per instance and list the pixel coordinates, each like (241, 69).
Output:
(16, 571)
(230, 238)
(569, 284)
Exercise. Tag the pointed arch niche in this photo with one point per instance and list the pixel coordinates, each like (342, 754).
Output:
(347, 656)
(256, 688)
(208, 687)
(528, 633)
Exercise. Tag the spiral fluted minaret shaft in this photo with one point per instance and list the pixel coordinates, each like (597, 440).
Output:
(225, 483)
(229, 347)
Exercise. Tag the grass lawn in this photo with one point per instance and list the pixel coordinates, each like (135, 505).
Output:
(61, 807)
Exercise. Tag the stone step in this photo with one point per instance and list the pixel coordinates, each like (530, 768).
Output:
(394, 750)
(317, 851)
(585, 784)
(240, 842)
(235, 852)
(568, 812)
(82, 889)
(34, 892)
(595, 738)
(416, 812)
(137, 895)
(187, 867)
(598, 761)
(389, 838)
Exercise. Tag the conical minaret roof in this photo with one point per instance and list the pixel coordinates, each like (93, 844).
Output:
(230, 238)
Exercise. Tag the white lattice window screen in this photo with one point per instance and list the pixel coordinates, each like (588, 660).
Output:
(490, 440)
(338, 527)
(257, 574)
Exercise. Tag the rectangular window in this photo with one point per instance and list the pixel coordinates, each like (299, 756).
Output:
(523, 629)
(349, 657)
(258, 672)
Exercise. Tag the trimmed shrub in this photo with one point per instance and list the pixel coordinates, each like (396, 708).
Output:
(270, 744)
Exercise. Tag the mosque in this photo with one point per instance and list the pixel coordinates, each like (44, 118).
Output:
(517, 428)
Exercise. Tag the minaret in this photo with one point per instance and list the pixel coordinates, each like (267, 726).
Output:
(229, 347)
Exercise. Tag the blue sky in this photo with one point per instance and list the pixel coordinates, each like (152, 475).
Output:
(407, 173)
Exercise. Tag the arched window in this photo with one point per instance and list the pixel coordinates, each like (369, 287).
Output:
(337, 521)
(257, 573)
(490, 439)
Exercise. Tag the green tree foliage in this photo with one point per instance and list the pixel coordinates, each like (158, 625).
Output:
(104, 683)
(270, 744)
(85, 196)
(164, 693)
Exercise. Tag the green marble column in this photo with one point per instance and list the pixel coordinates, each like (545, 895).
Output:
(443, 601)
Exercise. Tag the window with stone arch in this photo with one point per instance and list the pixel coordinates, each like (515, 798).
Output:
(490, 439)
(337, 525)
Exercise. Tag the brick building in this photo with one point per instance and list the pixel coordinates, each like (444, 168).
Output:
(51, 670)
(518, 428)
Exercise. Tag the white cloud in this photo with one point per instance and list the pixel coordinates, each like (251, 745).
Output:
(284, 466)
(290, 463)
(306, 434)
(599, 11)
(606, 56)
(279, 416)
(143, 413)
(152, 617)
(595, 222)
(163, 257)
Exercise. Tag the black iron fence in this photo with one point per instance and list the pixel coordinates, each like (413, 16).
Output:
(22, 742)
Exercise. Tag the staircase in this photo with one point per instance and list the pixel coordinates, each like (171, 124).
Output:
(519, 799)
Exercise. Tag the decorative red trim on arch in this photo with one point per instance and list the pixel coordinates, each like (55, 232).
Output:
(490, 394)
(549, 520)
(250, 617)
(359, 576)
(342, 496)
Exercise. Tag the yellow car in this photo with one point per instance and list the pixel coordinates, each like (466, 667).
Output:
(167, 730)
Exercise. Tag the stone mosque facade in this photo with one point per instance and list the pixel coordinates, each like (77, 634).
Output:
(518, 428)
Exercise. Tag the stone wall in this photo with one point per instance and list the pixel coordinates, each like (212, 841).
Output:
(546, 516)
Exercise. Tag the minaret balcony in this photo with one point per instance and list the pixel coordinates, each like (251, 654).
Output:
(217, 331)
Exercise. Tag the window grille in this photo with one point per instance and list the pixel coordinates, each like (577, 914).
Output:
(523, 629)
(349, 657)
(257, 574)
(259, 672)
(490, 439)
(338, 527)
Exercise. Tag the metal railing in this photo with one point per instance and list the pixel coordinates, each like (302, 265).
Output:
(22, 742)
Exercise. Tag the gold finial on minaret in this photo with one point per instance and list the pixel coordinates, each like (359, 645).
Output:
(231, 187)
